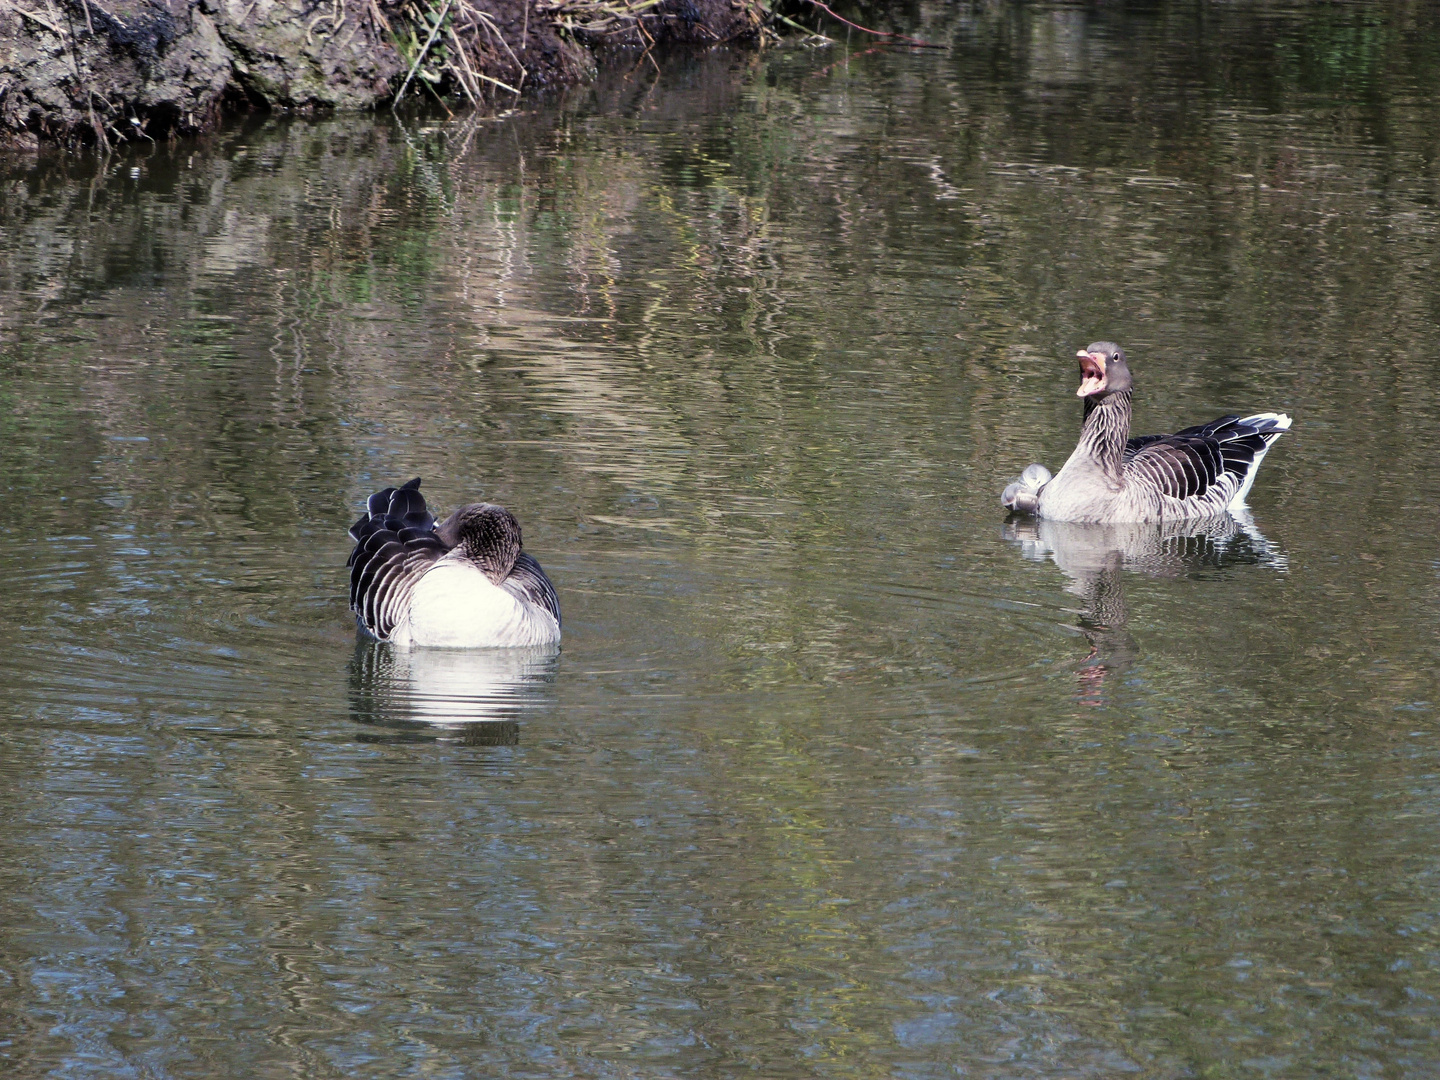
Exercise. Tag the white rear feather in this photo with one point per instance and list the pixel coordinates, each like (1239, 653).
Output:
(1279, 424)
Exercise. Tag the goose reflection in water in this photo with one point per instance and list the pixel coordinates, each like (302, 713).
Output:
(474, 696)
(1096, 559)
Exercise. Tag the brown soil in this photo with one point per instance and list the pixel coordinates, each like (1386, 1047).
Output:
(108, 71)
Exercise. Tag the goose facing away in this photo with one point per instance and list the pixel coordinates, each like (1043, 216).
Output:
(463, 583)
(1198, 472)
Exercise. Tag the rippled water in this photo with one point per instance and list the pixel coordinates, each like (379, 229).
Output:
(838, 773)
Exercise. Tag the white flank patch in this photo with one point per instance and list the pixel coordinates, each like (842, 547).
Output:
(455, 606)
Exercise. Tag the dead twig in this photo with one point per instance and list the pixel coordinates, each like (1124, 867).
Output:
(809, 34)
(464, 56)
(464, 60)
(490, 24)
(420, 57)
(336, 16)
(496, 82)
(101, 139)
(878, 33)
(40, 20)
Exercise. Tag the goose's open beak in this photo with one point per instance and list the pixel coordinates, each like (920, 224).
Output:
(1092, 373)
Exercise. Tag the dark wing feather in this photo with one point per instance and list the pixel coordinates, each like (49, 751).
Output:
(1180, 466)
(1209, 430)
(1241, 440)
(394, 509)
(1214, 429)
(1188, 463)
(528, 582)
(1138, 441)
(395, 544)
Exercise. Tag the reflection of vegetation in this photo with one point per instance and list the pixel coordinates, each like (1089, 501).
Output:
(1339, 51)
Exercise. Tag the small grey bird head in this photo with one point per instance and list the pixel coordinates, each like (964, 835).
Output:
(1102, 369)
(1035, 476)
(487, 535)
(1023, 496)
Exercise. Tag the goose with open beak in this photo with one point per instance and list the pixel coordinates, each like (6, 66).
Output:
(1112, 477)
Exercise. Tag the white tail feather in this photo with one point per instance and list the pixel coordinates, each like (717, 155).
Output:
(1272, 426)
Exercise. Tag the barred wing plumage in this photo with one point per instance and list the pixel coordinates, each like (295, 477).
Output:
(527, 582)
(1210, 462)
(1180, 467)
(395, 544)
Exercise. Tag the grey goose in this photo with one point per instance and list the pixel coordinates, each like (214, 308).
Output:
(465, 582)
(1199, 472)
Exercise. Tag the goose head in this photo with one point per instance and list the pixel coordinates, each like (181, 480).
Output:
(1102, 369)
(487, 535)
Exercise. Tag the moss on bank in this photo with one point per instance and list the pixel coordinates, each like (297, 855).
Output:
(87, 71)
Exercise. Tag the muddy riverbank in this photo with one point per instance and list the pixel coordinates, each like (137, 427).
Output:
(86, 72)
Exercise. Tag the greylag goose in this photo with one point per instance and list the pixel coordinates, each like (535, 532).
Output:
(1199, 472)
(465, 583)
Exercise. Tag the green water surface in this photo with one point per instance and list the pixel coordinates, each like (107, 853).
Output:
(837, 774)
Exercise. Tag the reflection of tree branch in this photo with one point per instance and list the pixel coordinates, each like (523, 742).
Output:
(831, 67)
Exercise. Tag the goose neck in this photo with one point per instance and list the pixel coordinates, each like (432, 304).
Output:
(1107, 429)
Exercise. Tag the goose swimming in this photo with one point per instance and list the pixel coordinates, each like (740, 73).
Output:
(1198, 472)
(465, 583)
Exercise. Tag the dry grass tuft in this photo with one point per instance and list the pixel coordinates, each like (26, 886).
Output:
(455, 45)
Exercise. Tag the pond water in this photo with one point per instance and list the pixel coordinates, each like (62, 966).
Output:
(838, 773)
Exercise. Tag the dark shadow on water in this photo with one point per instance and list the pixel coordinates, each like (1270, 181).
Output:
(1096, 559)
(476, 697)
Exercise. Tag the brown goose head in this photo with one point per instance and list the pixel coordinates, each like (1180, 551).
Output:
(487, 535)
(1102, 369)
